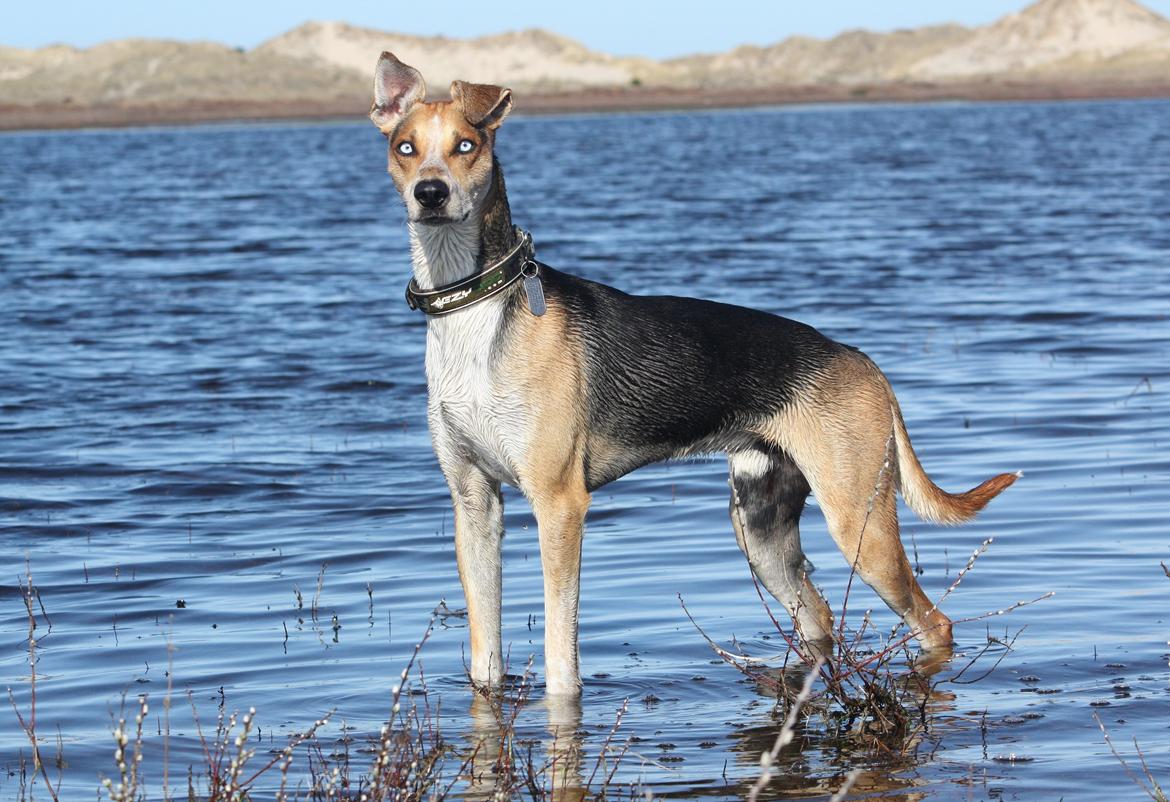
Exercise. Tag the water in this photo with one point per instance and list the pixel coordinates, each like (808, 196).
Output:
(211, 399)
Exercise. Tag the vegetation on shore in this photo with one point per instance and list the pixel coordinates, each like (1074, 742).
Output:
(872, 696)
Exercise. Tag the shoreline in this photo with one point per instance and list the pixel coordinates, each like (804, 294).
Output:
(626, 99)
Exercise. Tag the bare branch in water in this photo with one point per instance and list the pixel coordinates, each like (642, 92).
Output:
(1153, 790)
(29, 726)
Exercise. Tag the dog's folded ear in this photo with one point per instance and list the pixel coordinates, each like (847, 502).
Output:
(484, 105)
(397, 87)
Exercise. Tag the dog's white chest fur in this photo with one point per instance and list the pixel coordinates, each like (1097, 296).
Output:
(473, 414)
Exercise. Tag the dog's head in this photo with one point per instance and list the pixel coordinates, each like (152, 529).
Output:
(440, 153)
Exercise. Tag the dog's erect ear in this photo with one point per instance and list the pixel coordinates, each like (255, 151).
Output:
(397, 87)
(484, 105)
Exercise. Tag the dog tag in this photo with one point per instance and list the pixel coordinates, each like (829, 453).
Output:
(533, 289)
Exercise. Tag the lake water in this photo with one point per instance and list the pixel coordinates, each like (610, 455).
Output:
(212, 400)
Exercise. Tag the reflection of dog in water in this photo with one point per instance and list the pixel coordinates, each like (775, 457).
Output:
(558, 385)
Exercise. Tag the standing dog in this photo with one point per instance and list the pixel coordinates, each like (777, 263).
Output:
(558, 385)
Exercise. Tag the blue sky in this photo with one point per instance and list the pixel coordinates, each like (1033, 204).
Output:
(652, 28)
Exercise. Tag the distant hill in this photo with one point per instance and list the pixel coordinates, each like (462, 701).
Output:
(1051, 40)
(1069, 38)
(1052, 48)
(160, 71)
(532, 60)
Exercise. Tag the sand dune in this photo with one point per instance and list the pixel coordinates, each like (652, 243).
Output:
(1091, 36)
(530, 59)
(1069, 46)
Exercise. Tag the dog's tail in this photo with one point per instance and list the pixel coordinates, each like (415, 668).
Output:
(930, 501)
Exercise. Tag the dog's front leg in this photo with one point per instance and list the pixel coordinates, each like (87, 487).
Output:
(479, 536)
(560, 517)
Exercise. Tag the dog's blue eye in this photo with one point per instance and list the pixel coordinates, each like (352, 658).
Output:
(406, 149)
(466, 146)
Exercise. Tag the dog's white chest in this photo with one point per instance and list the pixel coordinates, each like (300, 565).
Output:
(473, 415)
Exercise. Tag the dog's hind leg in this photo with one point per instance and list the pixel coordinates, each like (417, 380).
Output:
(843, 438)
(768, 493)
(479, 535)
(865, 528)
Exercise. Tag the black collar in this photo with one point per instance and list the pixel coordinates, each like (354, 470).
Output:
(490, 281)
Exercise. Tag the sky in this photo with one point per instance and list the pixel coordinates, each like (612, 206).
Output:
(622, 27)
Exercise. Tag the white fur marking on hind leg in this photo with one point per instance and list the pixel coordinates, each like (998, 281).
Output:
(749, 464)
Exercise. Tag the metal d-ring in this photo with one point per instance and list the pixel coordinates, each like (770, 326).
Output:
(530, 269)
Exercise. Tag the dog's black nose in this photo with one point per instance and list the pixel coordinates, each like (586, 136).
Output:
(431, 194)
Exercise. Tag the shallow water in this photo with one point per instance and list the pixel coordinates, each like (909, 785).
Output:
(211, 400)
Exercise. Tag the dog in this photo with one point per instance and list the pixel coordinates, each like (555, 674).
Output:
(557, 385)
